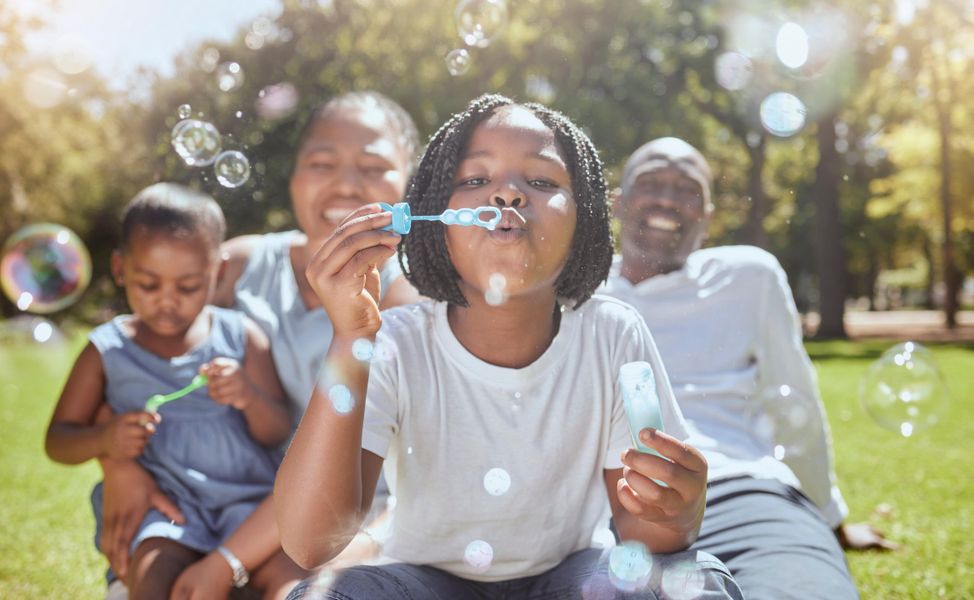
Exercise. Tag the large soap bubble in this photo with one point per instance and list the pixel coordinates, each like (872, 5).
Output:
(783, 114)
(197, 142)
(45, 268)
(903, 391)
(480, 21)
(232, 169)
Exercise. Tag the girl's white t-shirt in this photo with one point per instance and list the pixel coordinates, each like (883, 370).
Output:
(498, 472)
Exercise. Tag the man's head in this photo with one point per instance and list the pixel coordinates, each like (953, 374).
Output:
(663, 205)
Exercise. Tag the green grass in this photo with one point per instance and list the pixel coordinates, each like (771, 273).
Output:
(46, 524)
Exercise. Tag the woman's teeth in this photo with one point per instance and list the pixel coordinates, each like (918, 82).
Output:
(336, 214)
(664, 223)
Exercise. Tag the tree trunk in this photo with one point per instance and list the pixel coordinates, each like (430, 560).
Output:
(829, 253)
(753, 232)
(951, 276)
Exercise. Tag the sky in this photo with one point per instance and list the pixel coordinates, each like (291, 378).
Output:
(124, 34)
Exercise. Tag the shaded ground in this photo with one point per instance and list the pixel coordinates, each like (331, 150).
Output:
(915, 325)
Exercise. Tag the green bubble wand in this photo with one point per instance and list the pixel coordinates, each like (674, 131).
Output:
(152, 404)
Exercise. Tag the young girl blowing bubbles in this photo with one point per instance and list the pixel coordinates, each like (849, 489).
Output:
(499, 412)
(212, 451)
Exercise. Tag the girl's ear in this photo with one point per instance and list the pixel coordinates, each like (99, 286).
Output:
(117, 269)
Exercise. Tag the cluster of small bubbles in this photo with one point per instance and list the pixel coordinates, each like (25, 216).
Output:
(630, 566)
(232, 168)
(45, 267)
(682, 580)
(496, 293)
(72, 54)
(197, 142)
(791, 45)
(783, 114)
(341, 398)
(229, 76)
(363, 349)
(209, 59)
(184, 111)
(480, 21)
(903, 391)
(277, 101)
(733, 70)
(458, 62)
(479, 555)
(497, 481)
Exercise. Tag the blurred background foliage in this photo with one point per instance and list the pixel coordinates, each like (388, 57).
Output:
(869, 202)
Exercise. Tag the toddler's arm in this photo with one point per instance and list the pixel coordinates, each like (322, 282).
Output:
(325, 485)
(74, 437)
(252, 388)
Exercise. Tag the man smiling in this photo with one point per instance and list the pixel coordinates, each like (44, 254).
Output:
(728, 331)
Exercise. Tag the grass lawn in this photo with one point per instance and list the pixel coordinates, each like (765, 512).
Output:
(46, 524)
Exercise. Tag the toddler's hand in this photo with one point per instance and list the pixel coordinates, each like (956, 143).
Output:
(344, 272)
(126, 434)
(678, 507)
(227, 383)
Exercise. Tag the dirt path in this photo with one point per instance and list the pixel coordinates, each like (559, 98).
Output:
(916, 325)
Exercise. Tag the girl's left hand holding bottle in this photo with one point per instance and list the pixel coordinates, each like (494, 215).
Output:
(344, 272)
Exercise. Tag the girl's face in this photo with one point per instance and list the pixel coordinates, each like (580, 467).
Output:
(349, 158)
(513, 162)
(167, 280)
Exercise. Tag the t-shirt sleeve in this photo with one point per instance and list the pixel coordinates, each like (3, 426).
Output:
(382, 398)
(638, 345)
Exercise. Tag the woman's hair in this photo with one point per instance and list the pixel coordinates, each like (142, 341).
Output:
(423, 253)
(174, 210)
(406, 133)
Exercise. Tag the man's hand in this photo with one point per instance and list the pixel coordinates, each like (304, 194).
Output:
(863, 536)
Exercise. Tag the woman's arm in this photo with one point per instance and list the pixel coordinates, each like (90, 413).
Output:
(235, 253)
(267, 416)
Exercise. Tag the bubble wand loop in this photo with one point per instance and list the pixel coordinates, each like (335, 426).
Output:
(402, 217)
(152, 404)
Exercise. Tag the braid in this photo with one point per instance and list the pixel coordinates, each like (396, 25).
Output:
(423, 254)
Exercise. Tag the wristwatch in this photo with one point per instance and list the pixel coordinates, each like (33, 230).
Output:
(240, 574)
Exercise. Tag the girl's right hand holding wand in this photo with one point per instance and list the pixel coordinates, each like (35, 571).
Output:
(126, 434)
(344, 272)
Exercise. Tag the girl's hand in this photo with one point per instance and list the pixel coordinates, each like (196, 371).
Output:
(205, 579)
(679, 507)
(344, 272)
(126, 435)
(128, 494)
(227, 383)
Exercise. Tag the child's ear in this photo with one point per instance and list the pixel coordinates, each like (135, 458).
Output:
(116, 263)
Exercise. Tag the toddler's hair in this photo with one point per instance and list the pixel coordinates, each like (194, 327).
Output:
(423, 253)
(406, 133)
(175, 210)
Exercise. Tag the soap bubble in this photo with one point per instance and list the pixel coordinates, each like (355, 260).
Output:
(903, 391)
(45, 268)
(185, 111)
(782, 418)
(229, 76)
(496, 293)
(209, 59)
(480, 21)
(682, 580)
(341, 398)
(232, 169)
(277, 101)
(478, 554)
(497, 482)
(630, 566)
(733, 70)
(783, 114)
(362, 349)
(72, 54)
(791, 45)
(44, 88)
(197, 142)
(458, 62)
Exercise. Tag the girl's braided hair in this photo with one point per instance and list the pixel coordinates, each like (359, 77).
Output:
(423, 253)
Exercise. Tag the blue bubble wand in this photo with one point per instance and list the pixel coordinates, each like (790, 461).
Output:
(402, 217)
(639, 398)
(152, 404)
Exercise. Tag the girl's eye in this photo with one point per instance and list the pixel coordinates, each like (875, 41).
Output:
(374, 172)
(320, 166)
(189, 290)
(147, 287)
(543, 183)
(472, 182)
